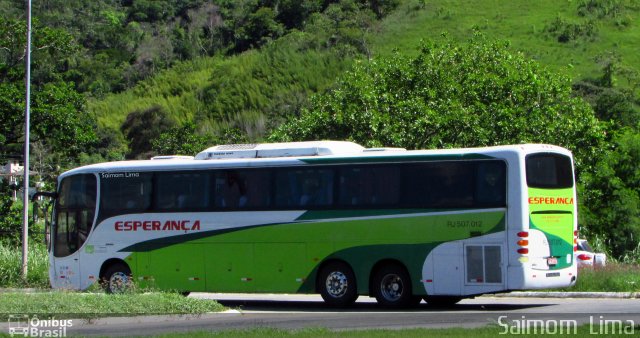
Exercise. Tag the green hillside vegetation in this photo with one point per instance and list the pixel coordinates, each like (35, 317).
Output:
(566, 36)
(251, 91)
(588, 40)
(174, 89)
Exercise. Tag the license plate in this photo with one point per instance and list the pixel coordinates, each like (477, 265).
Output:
(552, 261)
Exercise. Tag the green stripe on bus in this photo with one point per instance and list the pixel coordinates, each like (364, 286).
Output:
(329, 214)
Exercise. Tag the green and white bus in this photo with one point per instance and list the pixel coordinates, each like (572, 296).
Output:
(324, 217)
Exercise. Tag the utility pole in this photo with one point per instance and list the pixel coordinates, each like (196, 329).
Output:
(25, 209)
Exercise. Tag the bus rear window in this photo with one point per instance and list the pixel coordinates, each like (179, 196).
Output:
(551, 171)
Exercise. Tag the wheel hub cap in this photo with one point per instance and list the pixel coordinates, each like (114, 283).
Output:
(391, 287)
(337, 284)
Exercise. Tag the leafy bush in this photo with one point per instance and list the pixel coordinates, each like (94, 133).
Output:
(610, 199)
(10, 220)
(601, 8)
(566, 31)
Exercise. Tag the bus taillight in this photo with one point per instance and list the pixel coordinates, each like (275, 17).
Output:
(523, 242)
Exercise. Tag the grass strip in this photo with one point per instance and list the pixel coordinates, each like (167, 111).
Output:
(488, 331)
(611, 278)
(11, 267)
(65, 304)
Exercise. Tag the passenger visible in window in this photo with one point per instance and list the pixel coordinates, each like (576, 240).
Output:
(451, 187)
(235, 195)
(182, 201)
(309, 191)
(491, 189)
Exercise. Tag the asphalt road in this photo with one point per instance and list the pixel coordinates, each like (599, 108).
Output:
(301, 311)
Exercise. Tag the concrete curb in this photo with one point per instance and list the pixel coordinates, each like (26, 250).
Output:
(556, 294)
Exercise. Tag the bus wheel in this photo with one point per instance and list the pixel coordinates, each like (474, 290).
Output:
(117, 278)
(392, 287)
(337, 284)
(442, 301)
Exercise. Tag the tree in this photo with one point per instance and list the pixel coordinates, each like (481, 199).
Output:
(58, 116)
(183, 140)
(612, 103)
(10, 222)
(611, 206)
(451, 95)
(260, 28)
(143, 126)
(49, 51)
(343, 25)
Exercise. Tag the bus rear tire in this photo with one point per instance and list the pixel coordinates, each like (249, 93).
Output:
(117, 278)
(392, 287)
(337, 284)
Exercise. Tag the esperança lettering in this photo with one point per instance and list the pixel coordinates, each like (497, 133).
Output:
(551, 200)
(170, 225)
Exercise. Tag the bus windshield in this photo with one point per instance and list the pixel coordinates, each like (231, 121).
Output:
(75, 210)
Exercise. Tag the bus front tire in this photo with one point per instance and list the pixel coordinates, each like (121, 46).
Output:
(117, 278)
(337, 284)
(392, 287)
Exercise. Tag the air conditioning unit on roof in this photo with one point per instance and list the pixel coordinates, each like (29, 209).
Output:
(287, 149)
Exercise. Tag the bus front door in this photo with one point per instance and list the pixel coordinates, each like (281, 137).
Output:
(66, 265)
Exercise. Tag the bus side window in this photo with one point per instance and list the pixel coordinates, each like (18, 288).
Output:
(125, 195)
(491, 184)
(317, 188)
(257, 187)
(139, 196)
(350, 187)
(242, 189)
(306, 188)
(182, 191)
(287, 194)
(231, 190)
